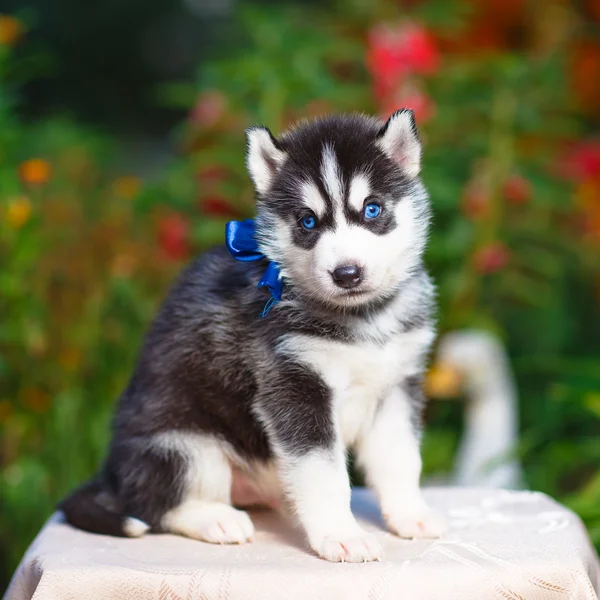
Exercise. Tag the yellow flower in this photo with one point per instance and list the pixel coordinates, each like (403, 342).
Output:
(127, 187)
(18, 212)
(443, 381)
(36, 340)
(592, 402)
(124, 265)
(35, 171)
(11, 30)
(70, 359)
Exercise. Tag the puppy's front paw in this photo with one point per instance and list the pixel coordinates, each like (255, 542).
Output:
(422, 523)
(354, 547)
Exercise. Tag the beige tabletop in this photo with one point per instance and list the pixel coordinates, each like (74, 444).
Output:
(504, 545)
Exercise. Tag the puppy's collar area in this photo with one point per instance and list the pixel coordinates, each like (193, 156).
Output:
(241, 242)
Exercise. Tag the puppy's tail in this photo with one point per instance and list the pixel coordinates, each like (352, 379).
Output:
(93, 507)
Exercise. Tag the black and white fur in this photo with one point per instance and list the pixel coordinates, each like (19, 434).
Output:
(219, 391)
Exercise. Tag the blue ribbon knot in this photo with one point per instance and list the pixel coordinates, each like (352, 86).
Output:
(241, 242)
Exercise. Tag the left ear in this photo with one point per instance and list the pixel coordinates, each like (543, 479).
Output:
(399, 139)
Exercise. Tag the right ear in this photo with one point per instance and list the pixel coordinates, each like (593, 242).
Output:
(400, 141)
(264, 157)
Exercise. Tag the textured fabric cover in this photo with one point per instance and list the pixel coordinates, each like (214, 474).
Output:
(505, 545)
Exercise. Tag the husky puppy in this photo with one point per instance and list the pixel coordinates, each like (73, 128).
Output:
(223, 399)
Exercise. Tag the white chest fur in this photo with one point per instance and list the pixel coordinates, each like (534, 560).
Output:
(359, 374)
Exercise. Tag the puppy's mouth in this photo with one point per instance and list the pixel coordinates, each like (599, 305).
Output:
(359, 292)
(355, 295)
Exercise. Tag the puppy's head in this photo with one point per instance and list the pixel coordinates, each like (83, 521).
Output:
(340, 206)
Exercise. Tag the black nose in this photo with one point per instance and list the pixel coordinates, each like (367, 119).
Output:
(348, 276)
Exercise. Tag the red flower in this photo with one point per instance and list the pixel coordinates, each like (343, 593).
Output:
(517, 190)
(212, 173)
(475, 202)
(583, 162)
(491, 258)
(383, 60)
(413, 97)
(173, 236)
(217, 206)
(395, 51)
(209, 109)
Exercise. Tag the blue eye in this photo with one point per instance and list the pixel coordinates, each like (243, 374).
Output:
(309, 222)
(372, 211)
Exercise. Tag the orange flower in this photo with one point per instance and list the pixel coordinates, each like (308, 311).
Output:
(443, 381)
(587, 196)
(36, 400)
(11, 30)
(588, 203)
(6, 410)
(35, 171)
(584, 71)
(18, 212)
(127, 187)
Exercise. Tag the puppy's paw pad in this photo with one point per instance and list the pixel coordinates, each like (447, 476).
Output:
(425, 523)
(361, 547)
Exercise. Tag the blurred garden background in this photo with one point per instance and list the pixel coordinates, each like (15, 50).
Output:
(122, 155)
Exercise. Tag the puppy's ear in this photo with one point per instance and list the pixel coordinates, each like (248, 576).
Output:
(399, 139)
(263, 157)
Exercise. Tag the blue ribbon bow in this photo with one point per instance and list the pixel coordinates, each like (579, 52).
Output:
(241, 242)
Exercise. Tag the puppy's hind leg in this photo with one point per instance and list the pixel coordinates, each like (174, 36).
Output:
(215, 522)
(205, 512)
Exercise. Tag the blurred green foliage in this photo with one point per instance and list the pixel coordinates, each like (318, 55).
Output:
(87, 252)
